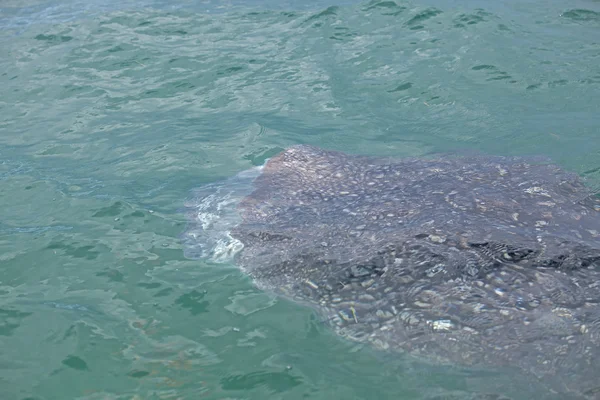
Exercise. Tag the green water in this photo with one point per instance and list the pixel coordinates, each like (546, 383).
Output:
(111, 113)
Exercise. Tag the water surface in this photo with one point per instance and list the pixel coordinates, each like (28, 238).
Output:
(112, 112)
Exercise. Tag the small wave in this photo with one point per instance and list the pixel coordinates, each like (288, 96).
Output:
(212, 213)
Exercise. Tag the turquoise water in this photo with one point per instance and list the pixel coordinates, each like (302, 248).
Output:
(112, 112)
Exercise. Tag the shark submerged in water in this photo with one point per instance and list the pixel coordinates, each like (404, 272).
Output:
(489, 261)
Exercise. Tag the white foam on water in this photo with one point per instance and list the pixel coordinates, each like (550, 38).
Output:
(212, 213)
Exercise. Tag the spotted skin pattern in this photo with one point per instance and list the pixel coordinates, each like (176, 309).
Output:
(463, 260)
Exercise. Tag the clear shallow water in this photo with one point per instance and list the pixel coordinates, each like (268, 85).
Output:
(112, 112)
